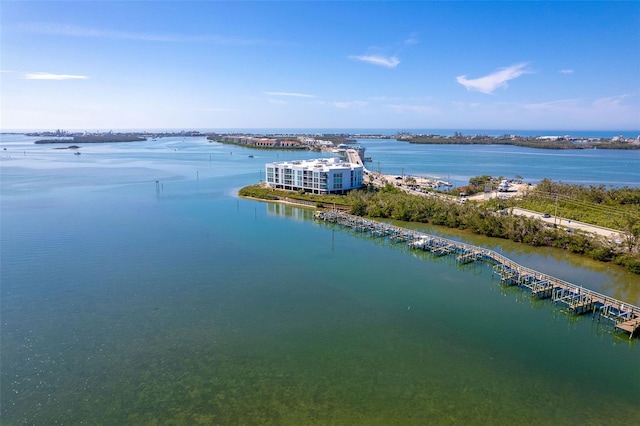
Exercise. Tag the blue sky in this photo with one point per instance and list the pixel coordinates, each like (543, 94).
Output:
(404, 65)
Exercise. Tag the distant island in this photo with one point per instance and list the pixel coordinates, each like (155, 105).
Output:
(282, 141)
(62, 136)
(322, 141)
(542, 142)
(94, 139)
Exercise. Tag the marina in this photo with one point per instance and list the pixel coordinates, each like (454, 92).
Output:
(574, 298)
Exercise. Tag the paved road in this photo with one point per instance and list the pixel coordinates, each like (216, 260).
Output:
(566, 223)
(611, 234)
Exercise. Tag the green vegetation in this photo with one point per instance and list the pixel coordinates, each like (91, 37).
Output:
(529, 142)
(615, 208)
(490, 219)
(476, 184)
(106, 138)
(265, 193)
(486, 219)
(611, 208)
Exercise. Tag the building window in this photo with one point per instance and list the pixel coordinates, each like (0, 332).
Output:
(337, 181)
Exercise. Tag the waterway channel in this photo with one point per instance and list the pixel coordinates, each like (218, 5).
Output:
(127, 302)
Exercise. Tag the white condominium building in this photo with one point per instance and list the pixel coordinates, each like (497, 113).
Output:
(320, 176)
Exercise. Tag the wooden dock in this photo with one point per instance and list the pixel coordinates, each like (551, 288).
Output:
(576, 299)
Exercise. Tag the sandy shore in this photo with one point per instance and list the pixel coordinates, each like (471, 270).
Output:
(516, 189)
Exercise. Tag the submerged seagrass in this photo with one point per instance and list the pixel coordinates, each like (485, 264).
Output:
(127, 302)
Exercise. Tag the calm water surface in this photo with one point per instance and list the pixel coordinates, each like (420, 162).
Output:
(126, 301)
(460, 162)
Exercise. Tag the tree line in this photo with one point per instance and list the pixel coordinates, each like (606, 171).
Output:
(491, 219)
(528, 142)
(616, 208)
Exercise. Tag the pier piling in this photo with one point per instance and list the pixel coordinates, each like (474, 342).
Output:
(576, 299)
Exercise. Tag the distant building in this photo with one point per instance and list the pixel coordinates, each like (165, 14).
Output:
(320, 176)
(552, 138)
(289, 143)
(260, 142)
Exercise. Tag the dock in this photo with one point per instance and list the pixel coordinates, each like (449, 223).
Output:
(576, 299)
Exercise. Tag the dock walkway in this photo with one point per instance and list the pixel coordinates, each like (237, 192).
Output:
(578, 300)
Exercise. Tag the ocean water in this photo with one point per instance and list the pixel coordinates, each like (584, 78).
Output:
(458, 163)
(136, 288)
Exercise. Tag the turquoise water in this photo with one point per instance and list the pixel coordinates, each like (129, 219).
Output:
(124, 301)
(458, 163)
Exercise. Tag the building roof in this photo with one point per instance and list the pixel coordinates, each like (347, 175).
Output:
(318, 164)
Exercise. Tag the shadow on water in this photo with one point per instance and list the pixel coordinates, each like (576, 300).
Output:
(606, 278)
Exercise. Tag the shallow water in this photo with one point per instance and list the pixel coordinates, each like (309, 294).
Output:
(127, 302)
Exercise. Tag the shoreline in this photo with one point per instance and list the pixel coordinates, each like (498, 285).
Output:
(566, 142)
(595, 242)
(577, 299)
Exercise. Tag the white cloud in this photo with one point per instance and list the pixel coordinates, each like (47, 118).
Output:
(51, 76)
(78, 31)
(291, 94)
(216, 109)
(385, 99)
(353, 104)
(611, 112)
(566, 71)
(420, 109)
(612, 101)
(554, 106)
(491, 82)
(389, 62)
(411, 40)
(608, 106)
(578, 113)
